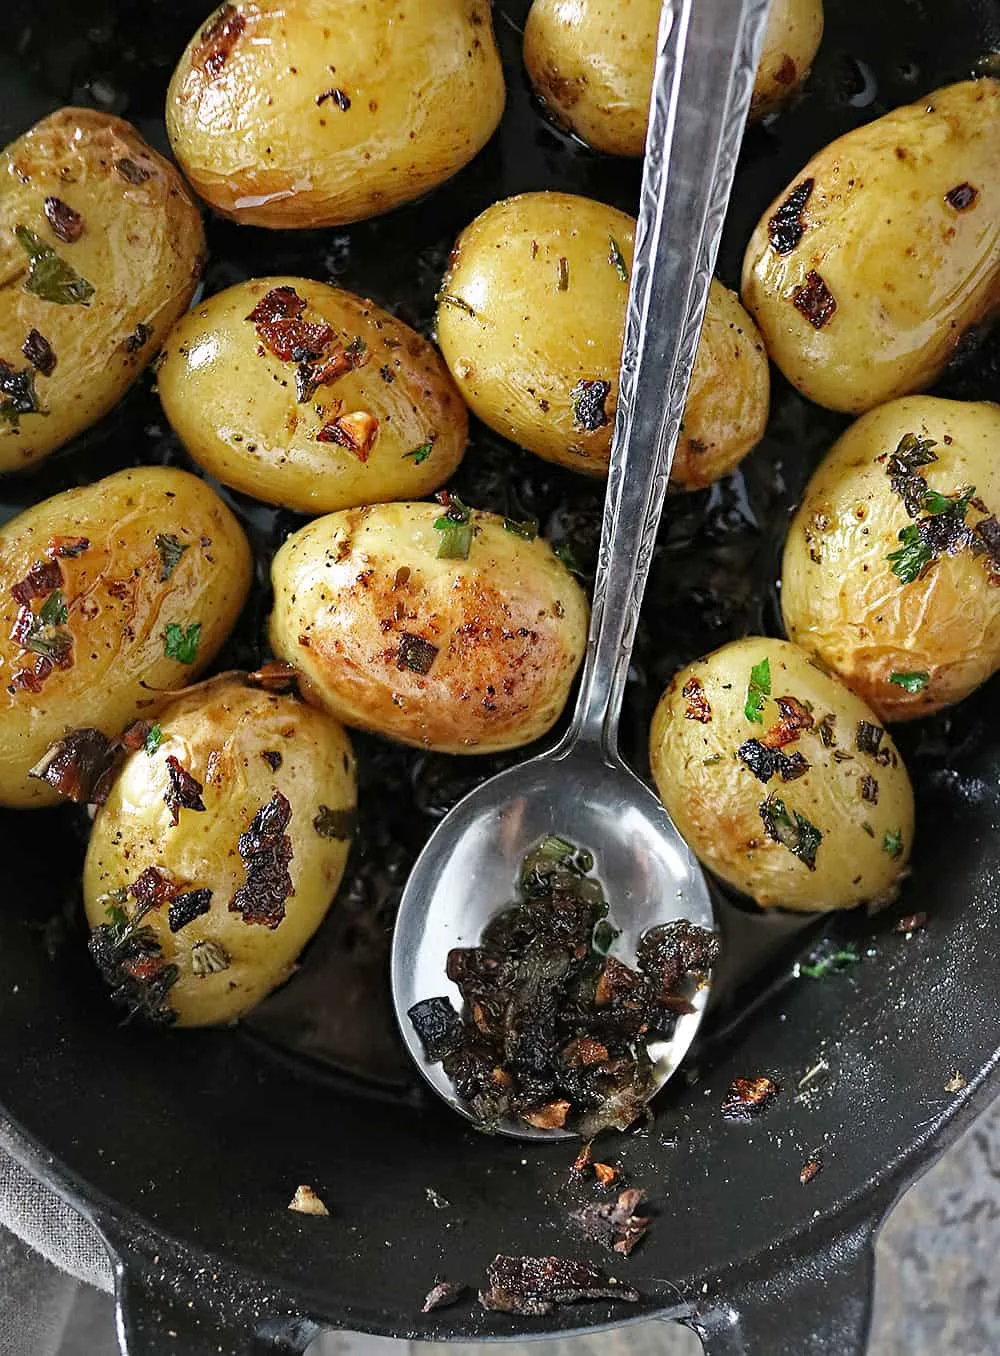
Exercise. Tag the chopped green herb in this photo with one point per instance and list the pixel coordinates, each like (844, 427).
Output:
(564, 552)
(555, 848)
(913, 556)
(420, 454)
(528, 529)
(153, 740)
(605, 936)
(170, 550)
(447, 299)
(911, 682)
(893, 843)
(117, 917)
(758, 690)
(617, 259)
(935, 503)
(54, 611)
(835, 960)
(711, 761)
(456, 529)
(798, 834)
(49, 276)
(181, 643)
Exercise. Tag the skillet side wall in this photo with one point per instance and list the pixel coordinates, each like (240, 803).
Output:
(206, 1136)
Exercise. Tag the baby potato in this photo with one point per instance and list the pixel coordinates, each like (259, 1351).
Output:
(101, 248)
(323, 112)
(890, 573)
(869, 269)
(439, 627)
(227, 842)
(373, 415)
(531, 320)
(111, 596)
(591, 63)
(781, 780)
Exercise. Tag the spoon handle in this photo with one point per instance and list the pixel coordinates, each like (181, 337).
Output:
(707, 53)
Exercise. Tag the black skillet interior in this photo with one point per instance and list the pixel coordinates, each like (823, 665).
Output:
(204, 1137)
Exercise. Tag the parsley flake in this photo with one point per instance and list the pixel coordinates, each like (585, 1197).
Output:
(181, 643)
(456, 530)
(565, 553)
(798, 834)
(528, 529)
(153, 740)
(420, 454)
(911, 682)
(913, 556)
(758, 690)
(170, 550)
(49, 276)
(893, 843)
(830, 962)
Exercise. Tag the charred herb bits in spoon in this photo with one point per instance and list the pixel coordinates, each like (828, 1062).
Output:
(554, 1031)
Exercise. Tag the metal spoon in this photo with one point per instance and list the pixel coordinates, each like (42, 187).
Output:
(581, 790)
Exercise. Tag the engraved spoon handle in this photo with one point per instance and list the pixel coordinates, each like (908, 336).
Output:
(707, 53)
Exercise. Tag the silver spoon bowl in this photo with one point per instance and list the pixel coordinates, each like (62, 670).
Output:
(581, 790)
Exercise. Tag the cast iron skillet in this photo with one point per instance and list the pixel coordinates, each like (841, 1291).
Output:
(185, 1149)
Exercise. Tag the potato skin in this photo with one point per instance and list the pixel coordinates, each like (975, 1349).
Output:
(234, 403)
(909, 272)
(141, 247)
(839, 595)
(118, 608)
(323, 112)
(220, 733)
(508, 626)
(715, 799)
(530, 342)
(591, 63)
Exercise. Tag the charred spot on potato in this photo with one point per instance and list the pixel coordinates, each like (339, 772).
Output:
(266, 851)
(615, 1224)
(218, 39)
(39, 352)
(698, 706)
(185, 908)
(962, 197)
(65, 223)
(131, 171)
(184, 791)
(338, 824)
(794, 717)
(814, 300)
(139, 337)
(80, 766)
(272, 758)
(336, 96)
(67, 548)
(791, 829)
(130, 960)
(903, 470)
(536, 1285)
(748, 1097)
(764, 762)
(42, 579)
(277, 318)
(868, 738)
(869, 789)
(986, 542)
(786, 227)
(17, 387)
(416, 654)
(588, 398)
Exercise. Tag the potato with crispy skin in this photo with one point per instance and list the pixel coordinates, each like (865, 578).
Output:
(531, 320)
(440, 627)
(101, 248)
(591, 63)
(310, 397)
(781, 780)
(323, 112)
(111, 596)
(891, 572)
(884, 252)
(218, 852)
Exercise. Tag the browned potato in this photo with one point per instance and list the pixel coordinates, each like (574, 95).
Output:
(374, 415)
(322, 112)
(454, 633)
(531, 320)
(791, 40)
(875, 261)
(111, 597)
(892, 577)
(101, 249)
(227, 842)
(781, 780)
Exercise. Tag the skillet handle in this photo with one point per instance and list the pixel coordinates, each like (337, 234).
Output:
(166, 1308)
(815, 1304)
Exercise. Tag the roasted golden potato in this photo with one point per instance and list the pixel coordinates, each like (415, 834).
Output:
(101, 248)
(781, 780)
(322, 112)
(531, 320)
(591, 63)
(372, 415)
(892, 563)
(111, 596)
(439, 627)
(226, 841)
(868, 270)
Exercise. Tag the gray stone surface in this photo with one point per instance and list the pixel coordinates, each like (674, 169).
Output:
(936, 1293)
